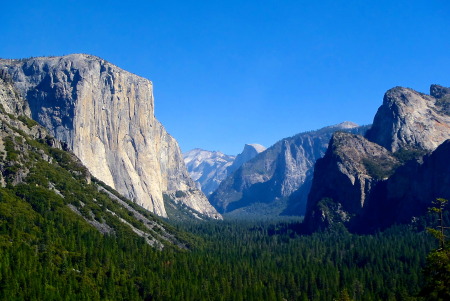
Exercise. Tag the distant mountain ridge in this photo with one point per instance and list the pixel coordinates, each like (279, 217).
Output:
(210, 168)
(207, 168)
(277, 181)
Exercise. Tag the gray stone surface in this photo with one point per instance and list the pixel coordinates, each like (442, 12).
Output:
(277, 174)
(393, 179)
(409, 119)
(343, 179)
(106, 117)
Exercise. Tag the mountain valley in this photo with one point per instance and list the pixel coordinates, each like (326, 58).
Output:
(98, 203)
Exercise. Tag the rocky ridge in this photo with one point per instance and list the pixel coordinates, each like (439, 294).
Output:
(409, 119)
(249, 152)
(105, 115)
(409, 192)
(392, 178)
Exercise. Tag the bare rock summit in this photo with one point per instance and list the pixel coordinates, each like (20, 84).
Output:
(409, 119)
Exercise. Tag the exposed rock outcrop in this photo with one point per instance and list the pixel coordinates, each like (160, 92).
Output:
(106, 117)
(265, 184)
(366, 186)
(409, 119)
(344, 178)
(46, 178)
(10, 99)
(410, 191)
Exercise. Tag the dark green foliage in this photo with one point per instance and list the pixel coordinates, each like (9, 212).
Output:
(437, 269)
(48, 252)
(379, 169)
(27, 121)
(180, 194)
(54, 254)
(261, 261)
(12, 154)
(437, 275)
(405, 154)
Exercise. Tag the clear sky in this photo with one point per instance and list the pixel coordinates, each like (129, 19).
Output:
(226, 73)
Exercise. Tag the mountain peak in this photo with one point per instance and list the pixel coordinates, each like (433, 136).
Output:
(409, 119)
(210, 168)
(249, 152)
(207, 168)
(347, 125)
(254, 146)
(343, 125)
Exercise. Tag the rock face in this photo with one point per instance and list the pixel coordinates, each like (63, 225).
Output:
(207, 168)
(344, 178)
(265, 184)
(409, 119)
(409, 191)
(36, 161)
(10, 99)
(106, 117)
(15, 112)
(372, 185)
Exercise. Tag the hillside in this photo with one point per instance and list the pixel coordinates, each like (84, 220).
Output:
(59, 226)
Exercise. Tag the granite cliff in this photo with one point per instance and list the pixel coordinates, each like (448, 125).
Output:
(105, 115)
(409, 192)
(393, 174)
(249, 152)
(413, 120)
(276, 181)
(344, 178)
(40, 181)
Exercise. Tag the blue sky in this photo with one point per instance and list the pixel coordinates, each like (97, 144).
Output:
(226, 73)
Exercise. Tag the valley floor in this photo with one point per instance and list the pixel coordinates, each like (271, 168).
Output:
(226, 261)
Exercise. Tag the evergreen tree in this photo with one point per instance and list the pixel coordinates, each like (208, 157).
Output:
(437, 269)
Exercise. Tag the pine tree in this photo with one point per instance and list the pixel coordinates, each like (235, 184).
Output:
(437, 269)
